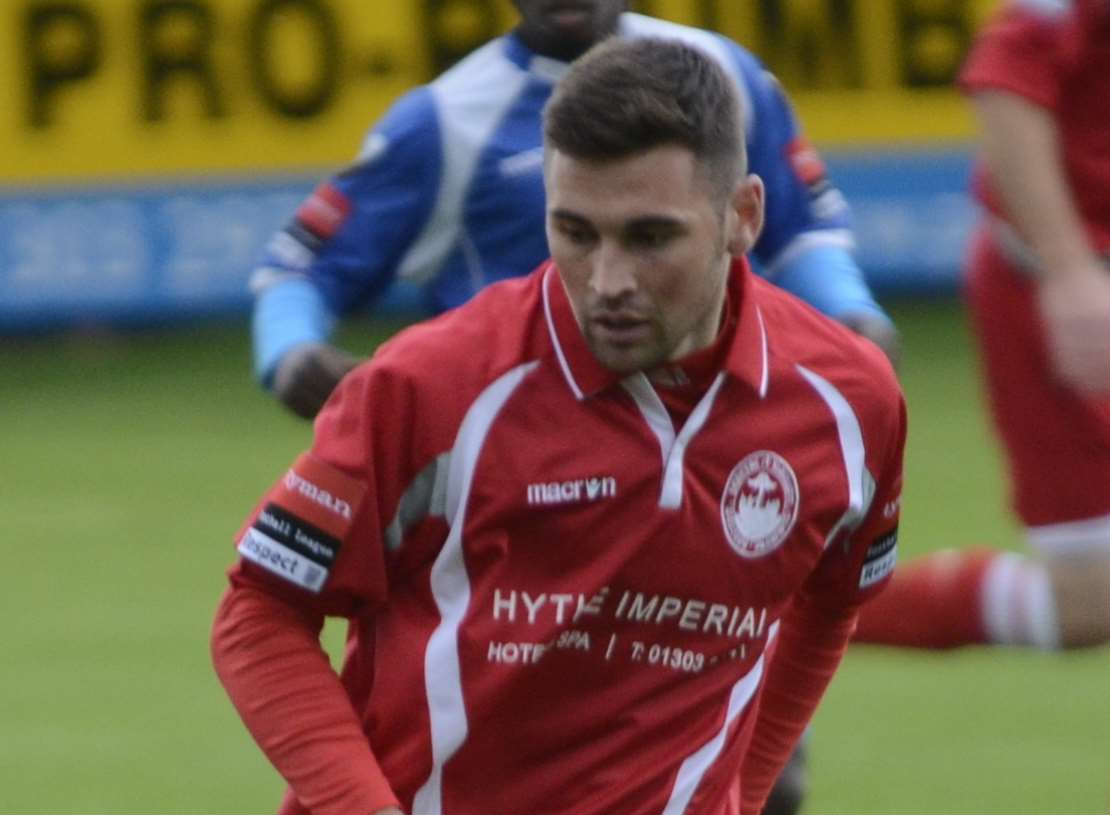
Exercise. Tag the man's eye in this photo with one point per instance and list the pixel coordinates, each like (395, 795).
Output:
(650, 239)
(576, 234)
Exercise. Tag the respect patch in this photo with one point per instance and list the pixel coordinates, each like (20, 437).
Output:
(277, 558)
(879, 560)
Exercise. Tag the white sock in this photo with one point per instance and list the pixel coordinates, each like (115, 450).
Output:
(1018, 603)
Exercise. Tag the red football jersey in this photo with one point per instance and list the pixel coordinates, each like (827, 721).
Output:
(562, 601)
(1056, 53)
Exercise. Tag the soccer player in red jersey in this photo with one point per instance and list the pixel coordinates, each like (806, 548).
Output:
(603, 532)
(1039, 296)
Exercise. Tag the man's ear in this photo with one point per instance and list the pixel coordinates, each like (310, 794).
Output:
(745, 215)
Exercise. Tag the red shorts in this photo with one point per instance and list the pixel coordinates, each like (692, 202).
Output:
(1057, 441)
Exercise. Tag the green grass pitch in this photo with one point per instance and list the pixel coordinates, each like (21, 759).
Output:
(128, 462)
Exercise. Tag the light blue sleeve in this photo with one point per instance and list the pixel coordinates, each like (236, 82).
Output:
(287, 313)
(828, 278)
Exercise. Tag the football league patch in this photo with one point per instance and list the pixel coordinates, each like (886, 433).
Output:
(298, 533)
(878, 562)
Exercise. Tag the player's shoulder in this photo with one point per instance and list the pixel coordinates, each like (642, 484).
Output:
(408, 128)
(733, 57)
(1079, 18)
(803, 342)
(486, 71)
(1032, 17)
(745, 69)
(1048, 10)
(476, 93)
(459, 353)
(485, 74)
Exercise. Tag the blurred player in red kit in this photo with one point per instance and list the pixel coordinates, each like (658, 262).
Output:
(602, 532)
(1039, 296)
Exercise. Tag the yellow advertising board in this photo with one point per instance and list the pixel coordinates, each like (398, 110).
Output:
(110, 89)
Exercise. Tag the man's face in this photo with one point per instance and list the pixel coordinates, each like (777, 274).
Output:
(565, 29)
(644, 246)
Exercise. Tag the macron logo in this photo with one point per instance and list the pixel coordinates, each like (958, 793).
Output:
(294, 483)
(570, 492)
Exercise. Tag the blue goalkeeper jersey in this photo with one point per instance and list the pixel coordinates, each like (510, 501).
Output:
(447, 191)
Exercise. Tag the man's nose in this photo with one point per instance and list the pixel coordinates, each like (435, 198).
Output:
(614, 274)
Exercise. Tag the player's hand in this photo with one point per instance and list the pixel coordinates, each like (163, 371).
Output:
(880, 331)
(1075, 307)
(307, 375)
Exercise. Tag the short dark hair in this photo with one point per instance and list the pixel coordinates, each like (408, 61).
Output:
(626, 96)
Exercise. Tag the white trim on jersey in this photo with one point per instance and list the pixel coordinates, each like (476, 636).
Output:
(425, 496)
(471, 100)
(803, 242)
(671, 495)
(637, 25)
(654, 412)
(1089, 536)
(450, 586)
(765, 377)
(547, 68)
(563, 364)
(696, 765)
(672, 448)
(852, 448)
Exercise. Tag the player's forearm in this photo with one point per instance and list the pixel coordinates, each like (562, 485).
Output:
(268, 657)
(288, 312)
(812, 641)
(826, 276)
(1022, 153)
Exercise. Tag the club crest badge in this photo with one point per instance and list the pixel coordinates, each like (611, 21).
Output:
(760, 504)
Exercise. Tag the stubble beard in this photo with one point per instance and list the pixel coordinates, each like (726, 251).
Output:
(633, 358)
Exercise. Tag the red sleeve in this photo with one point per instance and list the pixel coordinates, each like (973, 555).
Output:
(1026, 50)
(815, 630)
(268, 657)
(811, 642)
(315, 537)
(326, 536)
(859, 559)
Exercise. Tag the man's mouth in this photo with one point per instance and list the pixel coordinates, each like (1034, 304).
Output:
(569, 14)
(620, 329)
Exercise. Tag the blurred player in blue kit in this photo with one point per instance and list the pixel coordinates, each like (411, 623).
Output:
(447, 193)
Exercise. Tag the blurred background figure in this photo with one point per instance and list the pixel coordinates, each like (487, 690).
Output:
(448, 193)
(1039, 296)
